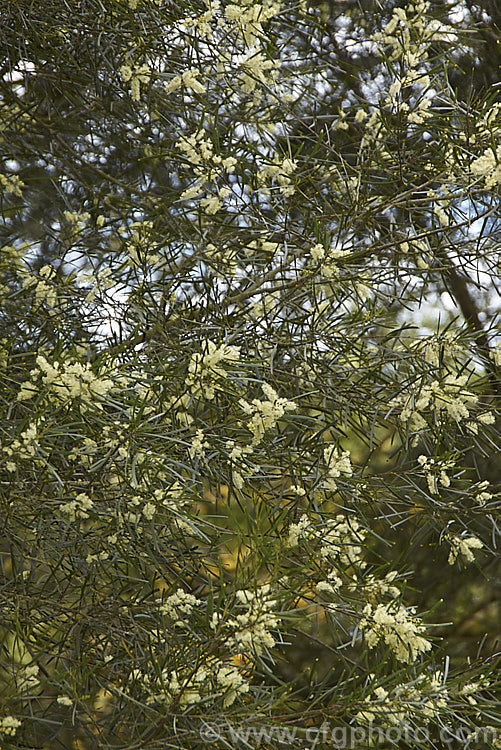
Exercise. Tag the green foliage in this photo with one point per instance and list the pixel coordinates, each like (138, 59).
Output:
(250, 353)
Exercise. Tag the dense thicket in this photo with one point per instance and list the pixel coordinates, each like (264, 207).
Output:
(250, 351)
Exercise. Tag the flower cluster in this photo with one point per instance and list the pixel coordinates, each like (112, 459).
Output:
(463, 545)
(77, 508)
(338, 463)
(138, 244)
(212, 680)
(254, 625)
(198, 446)
(249, 17)
(9, 725)
(340, 545)
(488, 166)
(251, 628)
(135, 75)
(435, 472)
(342, 541)
(179, 606)
(375, 589)
(63, 700)
(264, 415)
(44, 290)
(26, 446)
(207, 368)
(279, 171)
(189, 79)
(66, 381)
(426, 698)
(12, 184)
(207, 167)
(447, 398)
(236, 455)
(397, 627)
(410, 33)
(328, 259)
(257, 69)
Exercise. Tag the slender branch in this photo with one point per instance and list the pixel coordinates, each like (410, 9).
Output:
(458, 284)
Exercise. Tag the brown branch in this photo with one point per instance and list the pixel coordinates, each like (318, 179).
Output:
(463, 298)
